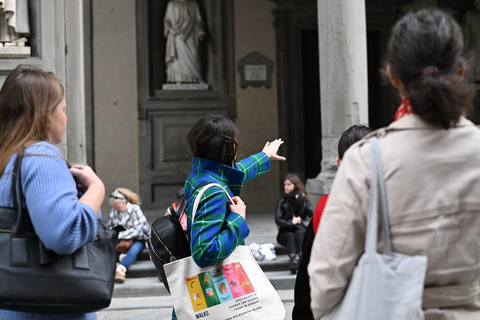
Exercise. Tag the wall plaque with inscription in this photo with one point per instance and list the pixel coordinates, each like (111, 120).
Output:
(255, 70)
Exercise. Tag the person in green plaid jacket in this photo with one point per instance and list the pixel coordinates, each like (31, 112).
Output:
(219, 226)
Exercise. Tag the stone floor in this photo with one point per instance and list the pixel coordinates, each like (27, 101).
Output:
(142, 297)
(157, 313)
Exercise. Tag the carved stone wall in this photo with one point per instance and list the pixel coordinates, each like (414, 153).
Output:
(166, 116)
(53, 25)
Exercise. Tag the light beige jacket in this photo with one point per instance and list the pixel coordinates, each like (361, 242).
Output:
(433, 190)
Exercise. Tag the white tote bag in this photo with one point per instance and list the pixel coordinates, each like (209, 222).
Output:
(235, 288)
(386, 286)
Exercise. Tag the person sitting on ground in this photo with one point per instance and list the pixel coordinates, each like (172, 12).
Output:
(127, 213)
(294, 210)
(174, 207)
(301, 309)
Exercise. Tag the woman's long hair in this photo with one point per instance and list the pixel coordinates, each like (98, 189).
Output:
(27, 99)
(299, 186)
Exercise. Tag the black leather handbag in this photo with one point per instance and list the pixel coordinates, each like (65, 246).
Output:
(35, 279)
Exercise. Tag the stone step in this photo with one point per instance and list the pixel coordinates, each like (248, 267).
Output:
(155, 302)
(151, 286)
(146, 268)
(145, 255)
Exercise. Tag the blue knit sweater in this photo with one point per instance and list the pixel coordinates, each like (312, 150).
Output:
(61, 222)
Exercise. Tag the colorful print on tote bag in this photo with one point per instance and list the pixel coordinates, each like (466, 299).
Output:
(211, 288)
(221, 285)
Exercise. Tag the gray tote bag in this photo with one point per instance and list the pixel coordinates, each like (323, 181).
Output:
(388, 285)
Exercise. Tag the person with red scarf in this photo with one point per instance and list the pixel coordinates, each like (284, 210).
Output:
(430, 157)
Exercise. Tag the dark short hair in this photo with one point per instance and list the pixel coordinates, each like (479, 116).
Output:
(425, 52)
(214, 137)
(350, 136)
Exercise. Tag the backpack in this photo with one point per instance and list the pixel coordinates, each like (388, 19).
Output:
(168, 242)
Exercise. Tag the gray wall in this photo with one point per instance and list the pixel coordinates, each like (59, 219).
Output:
(114, 74)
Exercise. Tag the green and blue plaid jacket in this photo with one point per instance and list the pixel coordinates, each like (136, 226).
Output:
(216, 232)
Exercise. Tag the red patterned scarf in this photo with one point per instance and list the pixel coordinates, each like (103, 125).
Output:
(405, 108)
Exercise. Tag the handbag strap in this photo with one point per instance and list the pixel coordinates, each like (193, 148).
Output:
(377, 204)
(23, 218)
(16, 168)
(199, 197)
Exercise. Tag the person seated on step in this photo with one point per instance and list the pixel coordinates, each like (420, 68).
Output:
(293, 213)
(126, 212)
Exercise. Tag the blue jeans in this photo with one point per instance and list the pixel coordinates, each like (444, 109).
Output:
(132, 253)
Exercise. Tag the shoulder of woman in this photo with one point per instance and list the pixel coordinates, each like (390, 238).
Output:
(216, 191)
(44, 156)
(43, 148)
(135, 208)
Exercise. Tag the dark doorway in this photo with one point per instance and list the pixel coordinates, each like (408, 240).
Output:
(298, 87)
(376, 116)
(311, 104)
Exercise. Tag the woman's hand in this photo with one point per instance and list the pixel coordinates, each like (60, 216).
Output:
(84, 176)
(271, 149)
(91, 184)
(296, 220)
(238, 207)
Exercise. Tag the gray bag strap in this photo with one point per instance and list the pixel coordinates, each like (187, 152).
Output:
(377, 203)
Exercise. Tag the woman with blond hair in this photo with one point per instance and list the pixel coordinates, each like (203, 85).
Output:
(32, 122)
(127, 213)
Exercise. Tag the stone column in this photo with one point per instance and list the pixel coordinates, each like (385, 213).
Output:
(343, 80)
(75, 80)
(115, 103)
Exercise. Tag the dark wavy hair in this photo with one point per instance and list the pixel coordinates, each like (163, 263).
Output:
(425, 52)
(350, 136)
(214, 137)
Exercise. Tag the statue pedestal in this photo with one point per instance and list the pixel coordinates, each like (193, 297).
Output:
(14, 52)
(185, 86)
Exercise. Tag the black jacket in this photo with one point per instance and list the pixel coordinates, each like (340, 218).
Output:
(290, 205)
(301, 309)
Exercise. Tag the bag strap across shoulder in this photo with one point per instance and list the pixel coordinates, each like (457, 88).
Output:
(15, 177)
(23, 224)
(377, 203)
(200, 194)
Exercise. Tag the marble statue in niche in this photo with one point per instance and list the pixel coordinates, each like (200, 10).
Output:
(184, 31)
(471, 33)
(14, 28)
